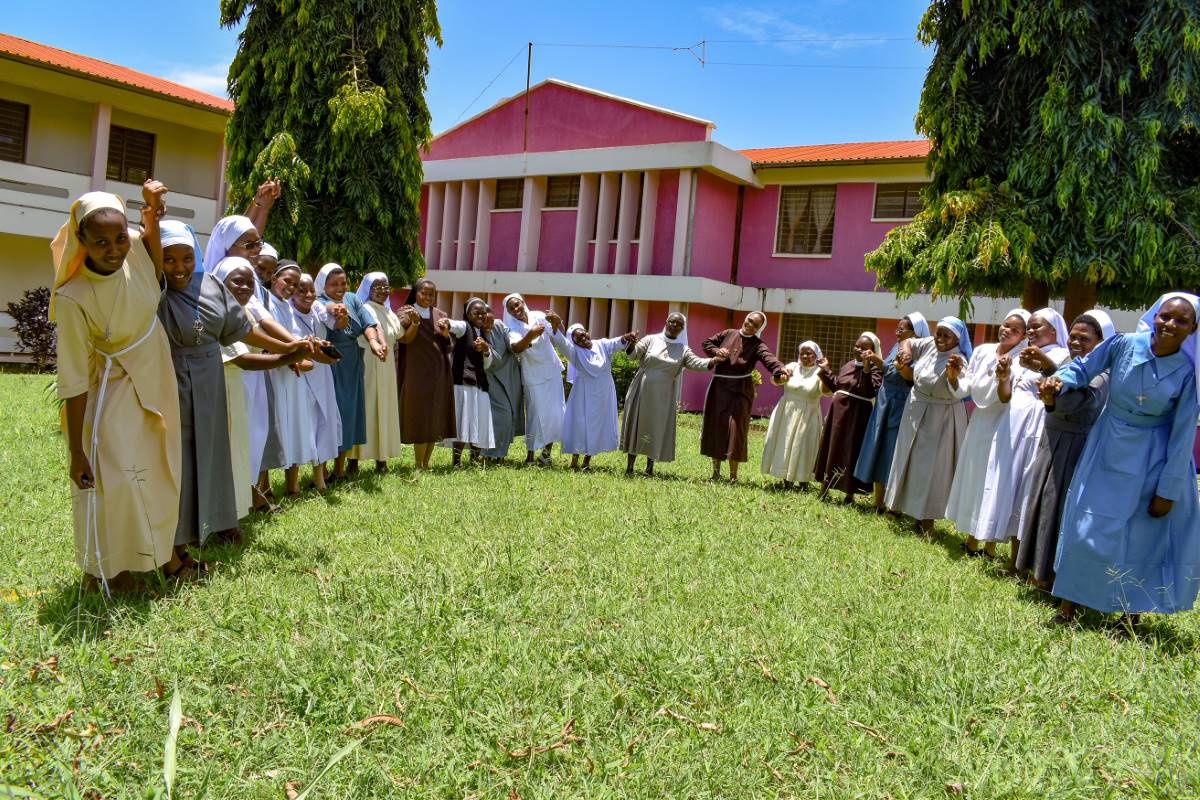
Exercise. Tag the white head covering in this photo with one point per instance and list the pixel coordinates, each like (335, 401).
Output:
(68, 254)
(267, 250)
(762, 327)
(875, 344)
(172, 232)
(515, 325)
(590, 361)
(368, 283)
(959, 328)
(227, 265)
(1103, 321)
(1191, 346)
(227, 231)
(1056, 320)
(682, 337)
(323, 275)
(811, 345)
(919, 324)
(1019, 312)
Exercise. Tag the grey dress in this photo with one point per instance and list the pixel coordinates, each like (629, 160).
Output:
(930, 436)
(652, 401)
(198, 321)
(1058, 451)
(505, 392)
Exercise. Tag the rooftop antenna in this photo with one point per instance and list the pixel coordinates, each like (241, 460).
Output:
(528, 67)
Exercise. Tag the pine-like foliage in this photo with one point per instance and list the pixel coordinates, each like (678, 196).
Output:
(1064, 142)
(330, 99)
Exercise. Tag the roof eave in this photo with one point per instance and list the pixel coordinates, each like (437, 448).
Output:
(839, 162)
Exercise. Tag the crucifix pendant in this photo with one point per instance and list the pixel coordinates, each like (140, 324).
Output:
(198, 327)
(1141, 398)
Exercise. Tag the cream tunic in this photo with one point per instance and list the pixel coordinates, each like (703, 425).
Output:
(382, 393)
(137, 465)
(239, 428)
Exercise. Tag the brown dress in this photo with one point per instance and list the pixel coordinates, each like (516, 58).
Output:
(427, 386)
(853, 389)
(731, 393)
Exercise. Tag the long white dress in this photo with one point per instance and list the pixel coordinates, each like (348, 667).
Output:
(541, 376)
(979, 503)
(321, 394)
(590, 422)
(292, 420)
(794, 432)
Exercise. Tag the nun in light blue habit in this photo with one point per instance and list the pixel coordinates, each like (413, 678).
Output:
(879, 442)
(1130, 534)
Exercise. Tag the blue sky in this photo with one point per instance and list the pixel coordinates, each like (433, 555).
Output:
(859, 75)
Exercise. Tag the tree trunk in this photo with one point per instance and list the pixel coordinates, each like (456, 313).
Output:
(1081, 297)
(1035, 295)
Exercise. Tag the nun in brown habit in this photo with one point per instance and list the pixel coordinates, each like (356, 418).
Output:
(427, 386)
(731, 391)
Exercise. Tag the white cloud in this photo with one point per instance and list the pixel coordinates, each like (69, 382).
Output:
(209, 78)
(761, 24)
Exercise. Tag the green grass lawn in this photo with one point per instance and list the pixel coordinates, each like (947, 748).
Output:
(543, 634)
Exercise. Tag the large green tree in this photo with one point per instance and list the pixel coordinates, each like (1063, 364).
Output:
(1065, 153)
(330, 99)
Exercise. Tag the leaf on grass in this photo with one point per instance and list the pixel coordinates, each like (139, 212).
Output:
(376, 719)
(49, 665)
(566, 738)
(52, 725)
(117, 661)
(158, 692)
(334, 759)
(776, 774)
(801, 744)
(708, 727)
(1124, 703)
(632, 747)
(954, 788)
(867, 729)
(174, 718)
(289, 790)
(410, 683)
(894, 754)
(829, 695)
(10, 722)
(766, 673)
(513, 794)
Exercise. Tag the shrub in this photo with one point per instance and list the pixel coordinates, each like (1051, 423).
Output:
(31, 322)
(623, 370)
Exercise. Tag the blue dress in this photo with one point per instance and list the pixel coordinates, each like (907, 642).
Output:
(1112, 555)
(879, 442)
(348, 371)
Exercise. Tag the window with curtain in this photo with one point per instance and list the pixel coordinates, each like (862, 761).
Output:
(805, 225)
(509, 192)
(897, 200)
(562, 191)
(130, 155)
(14, 123)
(835, 335)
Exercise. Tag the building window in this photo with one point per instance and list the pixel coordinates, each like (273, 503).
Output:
(562, 191)
(897, 200)
(805, 220)
(14, 123)
(509, 192)
(835, 335)
(130, 155)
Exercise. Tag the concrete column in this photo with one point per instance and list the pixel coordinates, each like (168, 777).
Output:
(433, 224)
(626, 221)
(619, 320)
(579, 311)
(589, 194)
(607, 206)
(645, 256)
(101, 125)
(468, 206)
(641, 316)
(450, 208)
(531, 224)
(683, 219)
(597, 323)
(562, 306)
(219, 187)
(483, 223)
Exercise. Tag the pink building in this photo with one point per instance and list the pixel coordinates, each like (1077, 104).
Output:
(615, 213)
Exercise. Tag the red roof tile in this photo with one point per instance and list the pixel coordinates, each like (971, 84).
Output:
(835, 153)
(94, 68)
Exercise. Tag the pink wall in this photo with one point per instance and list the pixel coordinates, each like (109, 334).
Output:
(664, 223)
(712, 233)
(854, 235)
(424, 213)
(563, 118)
(557, 246)
(505, 238)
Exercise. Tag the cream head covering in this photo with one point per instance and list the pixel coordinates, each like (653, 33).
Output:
(68, 254)
(811, 345)
(875, 343)
(682, 337)
(1056, 320)
(368, 283)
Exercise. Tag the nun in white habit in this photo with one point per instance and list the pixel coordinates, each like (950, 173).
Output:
(794, 432)
(590, 424)
(541, 375)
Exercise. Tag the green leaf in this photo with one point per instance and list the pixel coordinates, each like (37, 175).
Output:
(338, 756)
(174, 718)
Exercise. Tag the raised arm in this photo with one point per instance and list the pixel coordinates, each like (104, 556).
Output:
(691, 360)
(712, 344)
(154, 207)
(768, 359)
(1079, 372)
(259, 209)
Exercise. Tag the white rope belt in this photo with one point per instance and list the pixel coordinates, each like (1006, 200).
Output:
(92, 529)
(855, 396)
(732, 377)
